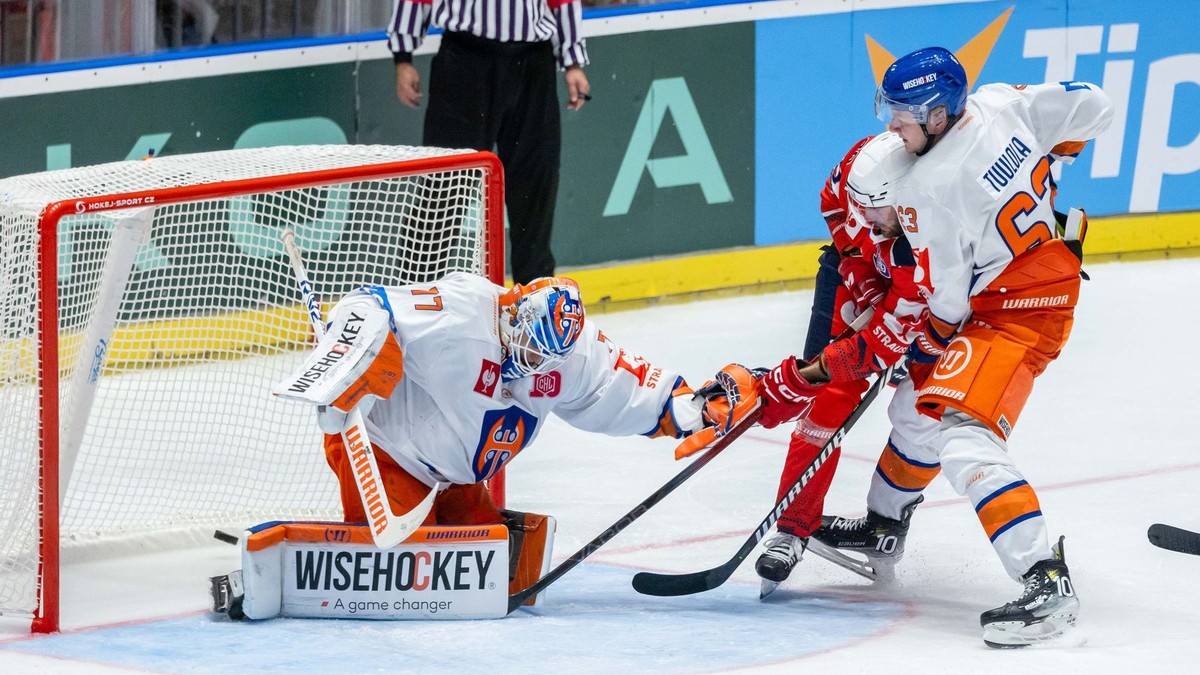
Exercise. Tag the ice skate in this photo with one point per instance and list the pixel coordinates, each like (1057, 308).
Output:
(1044, 615)
(776, 563)
(879, 538)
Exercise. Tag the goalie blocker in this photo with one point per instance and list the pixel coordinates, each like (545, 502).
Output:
(334, 570)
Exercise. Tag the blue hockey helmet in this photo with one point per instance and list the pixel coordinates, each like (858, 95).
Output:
(919, 82)
(539, 325)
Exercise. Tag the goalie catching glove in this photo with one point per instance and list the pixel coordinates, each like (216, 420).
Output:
(357, 361)
(723, 402)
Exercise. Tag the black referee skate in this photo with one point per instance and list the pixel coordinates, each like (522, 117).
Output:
(1044, 615)
(775, 564)
(879, 538)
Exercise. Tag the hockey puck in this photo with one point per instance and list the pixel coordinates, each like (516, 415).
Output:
(225, 537)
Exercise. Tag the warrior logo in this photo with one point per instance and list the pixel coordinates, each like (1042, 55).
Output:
(954, 360)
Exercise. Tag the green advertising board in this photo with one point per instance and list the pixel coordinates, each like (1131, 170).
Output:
(660, 162)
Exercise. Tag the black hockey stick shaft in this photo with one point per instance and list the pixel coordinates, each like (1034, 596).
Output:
(650, 583)
(517, 599)
(1174, 538)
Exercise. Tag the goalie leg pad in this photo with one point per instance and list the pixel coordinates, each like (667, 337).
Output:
(530, 544)
(335, 570)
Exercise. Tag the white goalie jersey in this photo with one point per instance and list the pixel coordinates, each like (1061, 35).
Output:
(968, 218)
(453, 418)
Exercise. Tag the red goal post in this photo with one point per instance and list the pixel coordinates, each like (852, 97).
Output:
(145, 309)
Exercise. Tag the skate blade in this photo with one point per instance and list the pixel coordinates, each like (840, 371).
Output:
(767, 587)
(873, 569)
(1056, 632)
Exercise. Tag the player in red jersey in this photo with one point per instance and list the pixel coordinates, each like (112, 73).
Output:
(875, 268)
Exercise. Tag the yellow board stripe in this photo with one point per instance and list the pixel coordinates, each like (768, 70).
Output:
(630, 285)
(790, 266)
(175, 342)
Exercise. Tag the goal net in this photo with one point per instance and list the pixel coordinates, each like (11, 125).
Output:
(147, 307)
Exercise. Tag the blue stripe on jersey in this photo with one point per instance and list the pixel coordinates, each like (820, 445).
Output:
(1013, 523)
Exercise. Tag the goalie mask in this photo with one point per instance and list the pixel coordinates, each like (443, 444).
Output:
(872, 182)
(539, 325)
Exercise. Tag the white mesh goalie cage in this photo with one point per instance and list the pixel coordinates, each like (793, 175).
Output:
(146, 308)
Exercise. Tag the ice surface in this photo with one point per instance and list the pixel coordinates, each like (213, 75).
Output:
(1106, 441)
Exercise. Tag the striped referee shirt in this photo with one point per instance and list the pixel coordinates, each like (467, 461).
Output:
(501, 20)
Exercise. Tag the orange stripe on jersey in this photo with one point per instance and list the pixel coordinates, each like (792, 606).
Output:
(1010, 505)
(903, 473)
(1069, 148)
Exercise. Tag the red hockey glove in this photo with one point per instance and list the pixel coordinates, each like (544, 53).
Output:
(932, 339)
(727, 399)
(880, 344)
(786, 394)
(865, 285)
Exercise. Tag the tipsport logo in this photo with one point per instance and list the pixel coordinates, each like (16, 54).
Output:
(1138, 64)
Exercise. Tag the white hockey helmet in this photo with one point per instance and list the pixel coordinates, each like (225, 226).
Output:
(539, 325)
(876, 170)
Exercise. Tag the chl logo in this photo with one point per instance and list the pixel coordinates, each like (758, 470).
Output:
(546, 384)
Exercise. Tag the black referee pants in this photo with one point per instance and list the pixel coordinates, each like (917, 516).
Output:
(503, 95)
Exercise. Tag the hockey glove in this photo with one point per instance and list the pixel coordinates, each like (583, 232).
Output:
(880, 344)
(932, 339)
(864, 283)
(786, 394)
(725, 401)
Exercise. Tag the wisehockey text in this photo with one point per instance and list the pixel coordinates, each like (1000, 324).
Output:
(388, 570)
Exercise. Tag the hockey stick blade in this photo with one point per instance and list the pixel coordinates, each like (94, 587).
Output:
(1174, 538)
(519, 598)
(667, 585)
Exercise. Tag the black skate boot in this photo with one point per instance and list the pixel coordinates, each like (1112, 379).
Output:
(776, 563)
(879, 538)
(227, 595)
(1043, 616)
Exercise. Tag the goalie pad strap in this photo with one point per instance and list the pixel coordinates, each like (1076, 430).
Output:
(530, 537)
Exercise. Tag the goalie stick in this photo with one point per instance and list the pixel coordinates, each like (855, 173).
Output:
(651, 583)
(1174, 538)
(517, 599)
(387, 527)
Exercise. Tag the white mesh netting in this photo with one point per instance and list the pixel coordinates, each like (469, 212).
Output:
(177, 433)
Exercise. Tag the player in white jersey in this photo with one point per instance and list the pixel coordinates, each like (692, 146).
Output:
(976, 206)
(460, 376)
